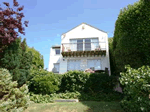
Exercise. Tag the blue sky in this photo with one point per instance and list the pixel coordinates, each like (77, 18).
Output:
(48, 19)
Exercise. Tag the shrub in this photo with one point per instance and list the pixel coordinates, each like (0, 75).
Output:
(13, 99)
(113, 96)
(100, 83)
(136, 90)
(74, 81)
(39, 98)
(66, 95)
(44, 82)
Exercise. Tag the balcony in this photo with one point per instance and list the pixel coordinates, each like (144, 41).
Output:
(83, 49)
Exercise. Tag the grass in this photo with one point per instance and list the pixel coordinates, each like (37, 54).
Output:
(84, 106)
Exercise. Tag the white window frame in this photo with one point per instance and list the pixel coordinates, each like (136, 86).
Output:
(55, 51)
(95, 63)
(74, 63)
(75, 41)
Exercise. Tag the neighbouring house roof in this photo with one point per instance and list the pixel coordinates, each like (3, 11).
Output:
(86, 24)
(56, 46)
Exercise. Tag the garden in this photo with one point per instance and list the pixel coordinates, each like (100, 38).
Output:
(25, 86)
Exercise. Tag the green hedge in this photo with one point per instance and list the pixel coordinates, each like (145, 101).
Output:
(136, 89)
(74, 81)
(100, 83)
(44, 82)
(87, 82)
(131, 42)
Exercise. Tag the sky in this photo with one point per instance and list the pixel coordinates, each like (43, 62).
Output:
(48, 19)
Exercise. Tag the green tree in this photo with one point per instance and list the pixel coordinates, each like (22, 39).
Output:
(18, 61)
(13, 99)
(131, 42)
(37, 61)
(112, 60)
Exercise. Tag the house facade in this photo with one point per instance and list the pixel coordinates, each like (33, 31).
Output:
(81, 48)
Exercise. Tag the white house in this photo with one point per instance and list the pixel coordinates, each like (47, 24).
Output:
(82, 47)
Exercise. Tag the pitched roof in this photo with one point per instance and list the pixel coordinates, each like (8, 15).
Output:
(86, 24)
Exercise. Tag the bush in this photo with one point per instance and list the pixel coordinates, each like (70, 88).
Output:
(136, 90)
(12, 98)
(113, 96)
(100, 83)
(39, 98)
(44, 82)
(74, 81)
(66, 95)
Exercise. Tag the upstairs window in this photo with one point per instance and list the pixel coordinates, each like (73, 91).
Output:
(57, 51)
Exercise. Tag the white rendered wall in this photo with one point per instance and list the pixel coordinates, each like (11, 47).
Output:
(53, 59)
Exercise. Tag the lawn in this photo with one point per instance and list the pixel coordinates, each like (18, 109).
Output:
(85, 106)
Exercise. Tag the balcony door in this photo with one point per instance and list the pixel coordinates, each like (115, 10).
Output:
(79, 44)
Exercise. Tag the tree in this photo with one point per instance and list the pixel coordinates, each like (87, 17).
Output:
(10, 22)
(13, 99)
(18, 61)
(112, 63)
(37, 61)
(131, 43)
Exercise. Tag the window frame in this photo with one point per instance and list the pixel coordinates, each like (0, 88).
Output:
(58, 67)
(56, 52)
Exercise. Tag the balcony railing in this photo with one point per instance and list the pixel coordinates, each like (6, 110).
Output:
(84, 46)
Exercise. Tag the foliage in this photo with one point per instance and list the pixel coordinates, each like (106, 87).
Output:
(39, 98)
(37, 61)
(131, 42)
(10, 23)
(100, 83)
(17, 60)
(137, 89)
(13, 99)
(66, 95)
(44, 82)
(74, 81)
(111, 56)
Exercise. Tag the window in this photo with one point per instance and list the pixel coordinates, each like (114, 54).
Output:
(57, 51)
(74, 64)
(94, 63)
(86, 44)
(56, 67)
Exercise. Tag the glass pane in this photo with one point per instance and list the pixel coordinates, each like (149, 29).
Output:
(97, 65)
(73, 45)
(94, 43)
(87, 44)
(56, 67)
(57, 51)
(80, 45)
(90, 63)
